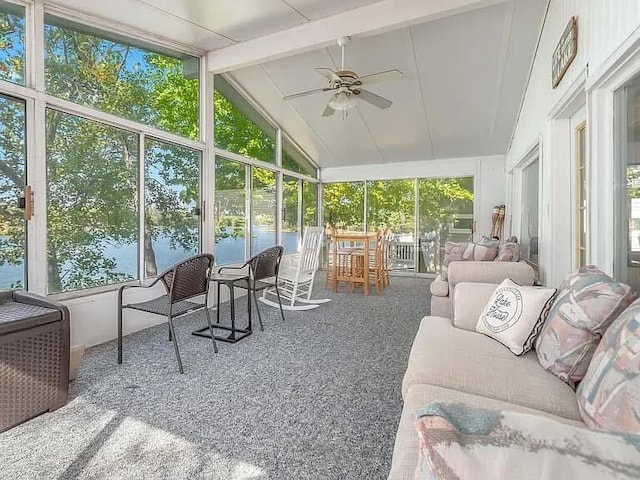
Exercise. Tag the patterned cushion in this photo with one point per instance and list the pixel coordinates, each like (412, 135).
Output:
(466, 443)
(609, 394)
(508, 252)
(588, 301)
(514, 315)
(452, 252)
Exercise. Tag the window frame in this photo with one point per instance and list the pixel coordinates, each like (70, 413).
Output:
(37, 101)
(582, 194)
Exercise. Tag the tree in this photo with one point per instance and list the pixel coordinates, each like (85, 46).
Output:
(391, 203)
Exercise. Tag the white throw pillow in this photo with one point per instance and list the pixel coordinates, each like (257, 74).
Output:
(515, 314)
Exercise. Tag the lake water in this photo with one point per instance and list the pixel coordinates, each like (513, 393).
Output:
(228, 250)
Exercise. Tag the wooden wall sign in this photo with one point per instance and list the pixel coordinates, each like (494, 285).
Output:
(565, 52)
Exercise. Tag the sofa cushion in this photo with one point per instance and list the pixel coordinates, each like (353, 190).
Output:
(609, 394)
(405, 451)
(471, 298)
(588, 301)
(449, 357)
(515, 314)
(439, 287)
(490, 272)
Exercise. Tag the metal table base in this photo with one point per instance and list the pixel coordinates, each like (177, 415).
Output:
(236, 334)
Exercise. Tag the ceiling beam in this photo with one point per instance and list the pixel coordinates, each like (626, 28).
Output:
(376, 18)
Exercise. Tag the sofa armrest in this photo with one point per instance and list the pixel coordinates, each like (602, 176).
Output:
(489, 272)
(439, 287)
(468, 303)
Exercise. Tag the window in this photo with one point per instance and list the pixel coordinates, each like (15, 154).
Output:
(581, 180)
(172, 197)
(92, 211)
(294, 160)
(529, 233)
(230, 211)
(291, 212)
(263, 209)
(12, 43)
(343, 205)
(445, 213)
(12, 184)
(627, 188)
(238, 128)
(391, 204)
(104, 72)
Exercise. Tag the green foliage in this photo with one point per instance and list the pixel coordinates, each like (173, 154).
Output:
(391, 204)
(343, 204)
(235, 132)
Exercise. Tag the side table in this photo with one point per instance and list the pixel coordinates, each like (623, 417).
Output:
(235, 334)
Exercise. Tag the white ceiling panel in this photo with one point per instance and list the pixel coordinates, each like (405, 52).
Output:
(238, 20)
(315, 9)
(516, 73)
(145, 18)
(459, 65)
(348, 139)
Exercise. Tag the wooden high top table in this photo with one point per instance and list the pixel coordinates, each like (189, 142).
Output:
(340, 274)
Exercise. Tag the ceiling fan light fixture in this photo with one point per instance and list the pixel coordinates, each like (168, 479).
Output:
(342, 101)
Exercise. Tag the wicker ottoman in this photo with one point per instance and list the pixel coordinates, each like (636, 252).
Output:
(34, 357)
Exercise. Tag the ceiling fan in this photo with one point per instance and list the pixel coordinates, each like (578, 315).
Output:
(347, 87)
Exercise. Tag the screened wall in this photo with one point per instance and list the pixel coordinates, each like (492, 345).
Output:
(111, 135)
(422, 215)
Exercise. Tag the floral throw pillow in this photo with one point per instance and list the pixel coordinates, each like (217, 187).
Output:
(609, 395)
(588, 301)
(452, 252)
(481, 252)
(508, 252)
(465, 443)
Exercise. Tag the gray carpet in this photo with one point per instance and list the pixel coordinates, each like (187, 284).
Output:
(317, 397)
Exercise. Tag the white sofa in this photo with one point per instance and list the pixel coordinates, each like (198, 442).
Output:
(450, 362)
(443, 291)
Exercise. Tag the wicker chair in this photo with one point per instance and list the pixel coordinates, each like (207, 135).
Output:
(264, 268)
(183, 281)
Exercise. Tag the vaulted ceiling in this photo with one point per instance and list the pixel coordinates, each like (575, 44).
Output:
(464, 72)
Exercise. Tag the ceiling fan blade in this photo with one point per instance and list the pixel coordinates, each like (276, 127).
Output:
(372, 98)
(328, 111)
(304, 94)
(328, 74)
(385, 76)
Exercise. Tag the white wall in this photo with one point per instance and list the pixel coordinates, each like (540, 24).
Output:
(488, 172)
(603, 26)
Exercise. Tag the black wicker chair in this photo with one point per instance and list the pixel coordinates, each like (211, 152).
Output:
(263, 268)
(183, 281)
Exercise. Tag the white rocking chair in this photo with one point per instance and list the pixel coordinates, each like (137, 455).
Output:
(296, 281)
